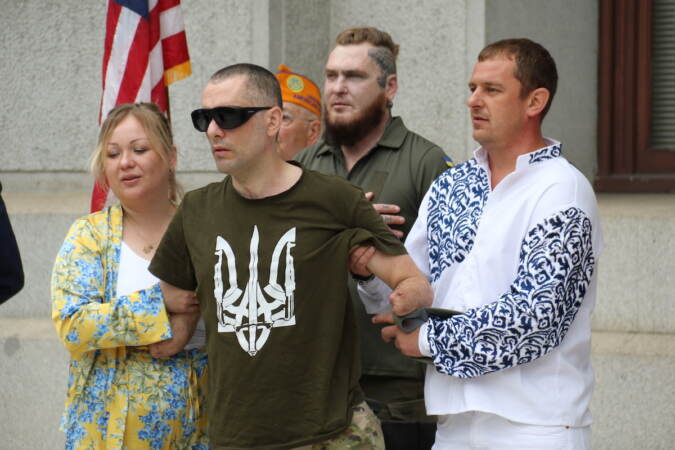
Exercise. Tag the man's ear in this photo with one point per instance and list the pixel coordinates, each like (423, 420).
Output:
(391, 87)
(536, 101)
(273, 116)
(313, 132)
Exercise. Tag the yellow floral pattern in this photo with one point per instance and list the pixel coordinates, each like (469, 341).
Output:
(118, 395)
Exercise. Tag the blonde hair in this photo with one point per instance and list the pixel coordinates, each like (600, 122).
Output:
(158, 130)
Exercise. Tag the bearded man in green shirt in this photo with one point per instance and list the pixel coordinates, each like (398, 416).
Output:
(365, 145)
(266, 251)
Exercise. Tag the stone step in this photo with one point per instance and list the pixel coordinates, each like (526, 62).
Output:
(34, 373)
(40, 222)
(636, 284)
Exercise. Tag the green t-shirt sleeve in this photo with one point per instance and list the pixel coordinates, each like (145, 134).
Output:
(370, 229)
(172, 262)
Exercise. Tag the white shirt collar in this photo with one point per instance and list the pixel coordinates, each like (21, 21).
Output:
(552, 149)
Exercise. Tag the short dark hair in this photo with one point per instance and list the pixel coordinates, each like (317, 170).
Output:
(263, 83)
(384, 54)
(535, 66)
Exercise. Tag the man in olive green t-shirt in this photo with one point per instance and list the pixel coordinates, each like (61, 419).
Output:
(266, 251)
(365, 145)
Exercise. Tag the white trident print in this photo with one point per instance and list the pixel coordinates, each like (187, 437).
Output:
(253, 317)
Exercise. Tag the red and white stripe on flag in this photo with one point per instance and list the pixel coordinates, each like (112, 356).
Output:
(145, 51)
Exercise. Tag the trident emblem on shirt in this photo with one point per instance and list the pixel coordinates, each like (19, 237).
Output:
(252, 316)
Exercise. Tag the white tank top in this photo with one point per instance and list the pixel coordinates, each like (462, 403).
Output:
(133, 275)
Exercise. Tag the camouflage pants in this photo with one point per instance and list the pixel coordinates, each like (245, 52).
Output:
(364, 433)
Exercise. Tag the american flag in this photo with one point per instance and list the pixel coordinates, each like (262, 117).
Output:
(145, 51)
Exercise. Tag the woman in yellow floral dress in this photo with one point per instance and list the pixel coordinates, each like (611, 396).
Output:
(133, 382)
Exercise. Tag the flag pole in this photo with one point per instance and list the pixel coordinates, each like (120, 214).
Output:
(168, 106)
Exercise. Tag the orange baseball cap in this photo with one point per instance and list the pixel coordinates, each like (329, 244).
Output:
(296, 88)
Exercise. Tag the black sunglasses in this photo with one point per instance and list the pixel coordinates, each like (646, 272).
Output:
(226, 117)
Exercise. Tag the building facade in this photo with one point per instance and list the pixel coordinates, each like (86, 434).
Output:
(51, 76)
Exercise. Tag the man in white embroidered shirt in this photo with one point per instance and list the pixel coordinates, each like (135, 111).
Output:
(511, 240)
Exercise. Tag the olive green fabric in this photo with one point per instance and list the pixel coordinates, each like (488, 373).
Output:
(399, 170)
(289, 375)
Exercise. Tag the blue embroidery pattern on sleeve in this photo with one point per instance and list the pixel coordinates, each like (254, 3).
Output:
(556, 265)
(455, 206)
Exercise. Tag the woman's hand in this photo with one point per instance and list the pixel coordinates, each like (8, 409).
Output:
(177, 300)
(182, 326)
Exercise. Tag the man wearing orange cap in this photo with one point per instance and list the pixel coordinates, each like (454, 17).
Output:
(301, 123)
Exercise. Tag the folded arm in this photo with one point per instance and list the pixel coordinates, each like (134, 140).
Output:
(184, 308)
(85, 318)
(183, 327)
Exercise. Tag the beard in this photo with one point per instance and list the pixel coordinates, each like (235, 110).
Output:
(340, 132)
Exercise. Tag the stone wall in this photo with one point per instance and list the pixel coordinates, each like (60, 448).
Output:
(51, 90)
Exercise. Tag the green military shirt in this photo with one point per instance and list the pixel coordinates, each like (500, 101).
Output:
(399, 170)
